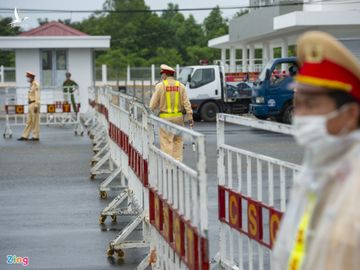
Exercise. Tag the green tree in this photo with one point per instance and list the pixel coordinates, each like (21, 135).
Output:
(7, 58)
(169, 56)
(145, 38)
(241, 13)
(197, 53)
(116, 61)
(215, 25)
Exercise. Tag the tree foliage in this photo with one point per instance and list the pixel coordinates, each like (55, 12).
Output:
(149, 38)
(7, 58)
(145, 38)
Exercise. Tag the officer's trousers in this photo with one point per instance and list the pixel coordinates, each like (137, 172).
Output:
(32, 123)
(170, 143)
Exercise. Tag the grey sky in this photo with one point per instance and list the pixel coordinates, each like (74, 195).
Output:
(97, 4)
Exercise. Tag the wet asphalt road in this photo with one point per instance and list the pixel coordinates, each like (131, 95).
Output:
(49, 208)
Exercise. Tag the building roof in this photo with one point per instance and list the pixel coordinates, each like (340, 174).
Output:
(53, 29)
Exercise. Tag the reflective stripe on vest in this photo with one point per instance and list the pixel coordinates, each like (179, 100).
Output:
(297, 255)
(171, 112)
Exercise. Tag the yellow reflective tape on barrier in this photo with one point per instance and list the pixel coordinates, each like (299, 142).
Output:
(298, 253)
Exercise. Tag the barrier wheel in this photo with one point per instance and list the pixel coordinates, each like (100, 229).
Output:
(82, 133)
(10, 136)
(102, 220)
(92, 176)
(114, 218)
(75, 132)
(93, 163)
(4, 136)
(110, 252)
(120, 253)
(103, 195)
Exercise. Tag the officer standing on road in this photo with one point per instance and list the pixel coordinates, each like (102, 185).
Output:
(170, 98)
(321, 226)
(69, 87)
(33, 120)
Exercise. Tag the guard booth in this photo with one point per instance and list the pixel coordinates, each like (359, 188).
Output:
(52, 49)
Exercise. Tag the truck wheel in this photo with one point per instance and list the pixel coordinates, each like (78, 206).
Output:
(196, 117)
(261, 117)
(288, 114)
(209, 111)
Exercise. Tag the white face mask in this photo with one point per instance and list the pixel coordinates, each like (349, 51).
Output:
(311, 131)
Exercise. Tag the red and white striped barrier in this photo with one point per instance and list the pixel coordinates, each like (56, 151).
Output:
(173, 211)
(249, 217)
(55, 109)
(178, 202)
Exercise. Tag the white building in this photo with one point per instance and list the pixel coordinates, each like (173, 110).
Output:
(279, 26)
(52, 49)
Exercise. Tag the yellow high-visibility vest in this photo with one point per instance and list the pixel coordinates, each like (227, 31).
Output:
(297, 255)
(172, 112)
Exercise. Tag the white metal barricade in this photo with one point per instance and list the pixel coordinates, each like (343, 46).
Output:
(177, 193)
(252, 197)
(118, 123)
(56, 108)
(102, 162)
(178, 203)
(130, 125)
(89, 116)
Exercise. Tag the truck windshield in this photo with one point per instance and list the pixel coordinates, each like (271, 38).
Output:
(183, 76)
(262, 75)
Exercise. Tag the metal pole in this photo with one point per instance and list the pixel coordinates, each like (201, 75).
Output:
(152, 73)
(177, 70)
(2, 74)
(128, 76)
(104, 74)
(142, 92)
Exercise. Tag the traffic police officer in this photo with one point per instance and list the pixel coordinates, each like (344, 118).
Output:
(321, 226)
(33, 120)
(171, 99)
(69, 86)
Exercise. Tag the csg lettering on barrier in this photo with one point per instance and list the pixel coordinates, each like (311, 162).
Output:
(252, 195)
(253, 212)
(179, 233)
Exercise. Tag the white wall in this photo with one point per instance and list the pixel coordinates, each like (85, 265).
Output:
(27, 60)
(330, 5)
(81, 69)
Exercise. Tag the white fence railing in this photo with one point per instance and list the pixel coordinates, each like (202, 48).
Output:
(252, 197)
(56, 108)
(166, 197)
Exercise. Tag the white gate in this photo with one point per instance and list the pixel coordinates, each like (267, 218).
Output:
(178, 202)
(56, 108)
(252, 197)
(168, 198)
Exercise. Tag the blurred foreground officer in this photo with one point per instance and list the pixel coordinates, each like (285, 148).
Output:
(33, 120)
(321, 226)
(170, 98)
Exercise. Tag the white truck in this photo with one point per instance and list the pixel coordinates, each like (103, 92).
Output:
(209, 93)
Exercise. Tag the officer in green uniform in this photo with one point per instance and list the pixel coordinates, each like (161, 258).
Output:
(69, 87)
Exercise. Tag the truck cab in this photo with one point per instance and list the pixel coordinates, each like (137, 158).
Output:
(207, 91)
(272, 96)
